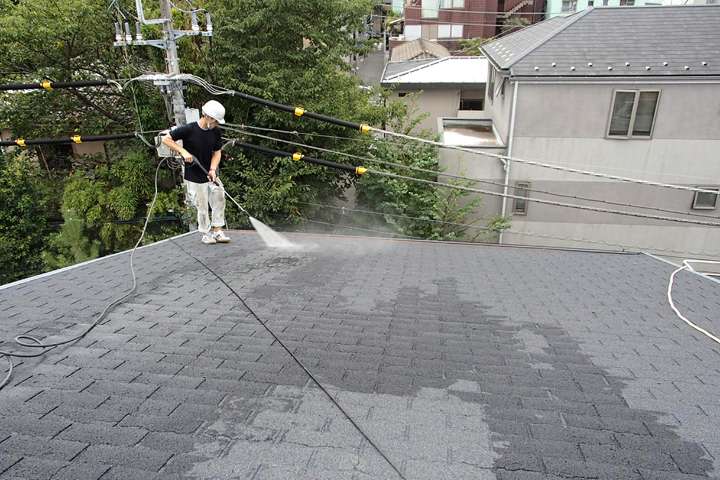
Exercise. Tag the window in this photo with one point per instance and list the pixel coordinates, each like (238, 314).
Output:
(450, 31)
(412, 32)
(452, 3)
(520, 205)
(633, 113)
(706, 201)
(605, 3)
(569, 5)
(627, 3)
(430, 32)
(471, 100)
(591, 3)
(491, 84)
(430, 8)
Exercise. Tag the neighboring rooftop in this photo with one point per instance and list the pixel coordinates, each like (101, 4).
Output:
(615, 42)
(419, 49)
(444, 71)
(459, 360)
(469, 133)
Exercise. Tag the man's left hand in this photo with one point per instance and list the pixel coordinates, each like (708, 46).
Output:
(212, 175)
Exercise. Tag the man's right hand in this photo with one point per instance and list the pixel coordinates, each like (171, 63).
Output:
(187, 156)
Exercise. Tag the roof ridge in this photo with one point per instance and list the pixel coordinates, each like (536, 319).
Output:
(577, 16)
(414, 69)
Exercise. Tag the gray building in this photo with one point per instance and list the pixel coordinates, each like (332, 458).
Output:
(437, 87)
(623, 92)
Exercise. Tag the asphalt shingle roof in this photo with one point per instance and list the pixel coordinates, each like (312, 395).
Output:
(461, 362)
(418, 49)
(616, 42)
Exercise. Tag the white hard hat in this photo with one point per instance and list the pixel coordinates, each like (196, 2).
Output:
(214, 109)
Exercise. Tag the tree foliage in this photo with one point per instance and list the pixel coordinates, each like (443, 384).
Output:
(24, 216)
(292, 52)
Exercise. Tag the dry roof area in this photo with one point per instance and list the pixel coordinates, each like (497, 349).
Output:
(460, 361)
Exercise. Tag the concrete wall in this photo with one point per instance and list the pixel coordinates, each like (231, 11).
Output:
(476, 167)
(567, 125)
(500, 106)
(437, 103)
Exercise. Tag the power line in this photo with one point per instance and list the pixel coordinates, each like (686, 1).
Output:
(365, 128)
(457, 10)
(542, 164)
(363, 170)
(447, 22)
(459, 177)
(516, 232)
(550, 202)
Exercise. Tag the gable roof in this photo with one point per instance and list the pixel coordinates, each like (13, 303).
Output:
(443, 71)
(418, 49)
(615, 42)
(570, 362)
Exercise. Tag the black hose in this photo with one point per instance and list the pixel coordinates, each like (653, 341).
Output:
(48, 85)
(296, 110)
(66, 140)
(279, 153)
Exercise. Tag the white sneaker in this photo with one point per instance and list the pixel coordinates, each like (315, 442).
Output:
(220, 237)
(208, 239)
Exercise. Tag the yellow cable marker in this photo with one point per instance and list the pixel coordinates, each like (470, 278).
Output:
(297, 156)
(76, 139)
(299, 111)
(47, 85)
(21, 142)
(360, 170)
(365, 128)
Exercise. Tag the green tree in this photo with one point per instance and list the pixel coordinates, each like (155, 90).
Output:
(103, 208)
(24, 216)
(294, 53)
(471, 46)
(515, 23)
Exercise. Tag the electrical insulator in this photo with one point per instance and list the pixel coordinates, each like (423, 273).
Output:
(138, 31)
(194, 19)
(208, 22)
(128, 35)
(118, 34)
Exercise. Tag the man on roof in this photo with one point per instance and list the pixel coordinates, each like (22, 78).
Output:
(202, 140)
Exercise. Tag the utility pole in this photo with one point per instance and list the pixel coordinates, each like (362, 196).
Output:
(173, 64)
(168, 85)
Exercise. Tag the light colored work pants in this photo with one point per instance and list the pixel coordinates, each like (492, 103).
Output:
(199, 195)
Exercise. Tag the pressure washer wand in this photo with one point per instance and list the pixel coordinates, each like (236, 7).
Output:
(197, 162)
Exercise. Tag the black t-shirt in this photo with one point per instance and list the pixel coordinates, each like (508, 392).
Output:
(202, 144)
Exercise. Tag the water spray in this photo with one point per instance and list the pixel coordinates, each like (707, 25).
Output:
(270, 237)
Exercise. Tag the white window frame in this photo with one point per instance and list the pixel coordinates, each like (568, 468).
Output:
(631, 126)
(455, 4)
(572, 6)
(416, 32)
(695, 205)
(424, 11)
(456, 31)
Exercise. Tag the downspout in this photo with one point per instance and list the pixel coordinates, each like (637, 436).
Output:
(506, 187)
